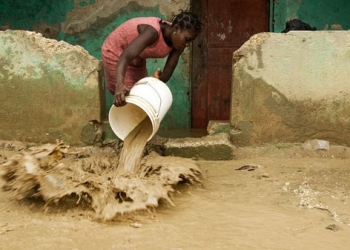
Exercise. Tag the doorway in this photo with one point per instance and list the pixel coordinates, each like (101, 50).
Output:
(227, 25)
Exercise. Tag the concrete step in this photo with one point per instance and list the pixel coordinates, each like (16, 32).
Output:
(212, 147)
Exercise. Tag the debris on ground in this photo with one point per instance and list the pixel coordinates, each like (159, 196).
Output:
(53, 172)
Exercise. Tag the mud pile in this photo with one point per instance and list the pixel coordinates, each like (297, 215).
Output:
(55, 172)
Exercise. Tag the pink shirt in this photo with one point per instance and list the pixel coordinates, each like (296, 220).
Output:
(119, 39)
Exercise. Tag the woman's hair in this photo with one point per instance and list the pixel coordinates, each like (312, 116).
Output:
(187, 20)
(297, 24)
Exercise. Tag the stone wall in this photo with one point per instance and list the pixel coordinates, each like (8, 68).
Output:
(292, 87)
(48, 89)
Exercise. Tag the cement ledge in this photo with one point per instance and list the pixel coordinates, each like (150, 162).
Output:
(212, 147)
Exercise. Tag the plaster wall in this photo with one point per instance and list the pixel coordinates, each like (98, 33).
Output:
(292, 87)
(48, 89)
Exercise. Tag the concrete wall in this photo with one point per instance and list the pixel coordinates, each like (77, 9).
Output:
(48, 89)
(292, 87)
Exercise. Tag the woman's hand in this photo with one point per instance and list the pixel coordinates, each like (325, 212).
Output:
(157, 73)
(119, 95)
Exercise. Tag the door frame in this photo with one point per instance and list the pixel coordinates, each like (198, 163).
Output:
(199, 53)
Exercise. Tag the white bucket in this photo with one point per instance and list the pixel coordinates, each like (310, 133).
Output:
(148, 97)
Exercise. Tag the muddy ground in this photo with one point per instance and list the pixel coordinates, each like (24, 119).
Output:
(284, 197)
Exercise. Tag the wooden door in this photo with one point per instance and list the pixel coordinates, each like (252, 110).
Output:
(227, 25)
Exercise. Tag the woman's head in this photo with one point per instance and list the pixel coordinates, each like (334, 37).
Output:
(187, 20)
(186, 26)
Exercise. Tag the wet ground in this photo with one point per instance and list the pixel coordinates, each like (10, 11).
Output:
(283, 197)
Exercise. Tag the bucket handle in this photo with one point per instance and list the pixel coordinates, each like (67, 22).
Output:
(160, 99)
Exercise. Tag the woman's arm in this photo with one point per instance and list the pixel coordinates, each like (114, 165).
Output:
(147, 36)
(170, 65)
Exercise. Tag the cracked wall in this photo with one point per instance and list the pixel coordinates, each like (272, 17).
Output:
(48, 89)
(292, 87)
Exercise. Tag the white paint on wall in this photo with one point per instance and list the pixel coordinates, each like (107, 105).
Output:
(29, 55)
(300, 64)
(221, 36)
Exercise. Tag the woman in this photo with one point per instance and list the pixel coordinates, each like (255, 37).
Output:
(125, 50)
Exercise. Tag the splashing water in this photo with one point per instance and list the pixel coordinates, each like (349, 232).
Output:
(134, 144)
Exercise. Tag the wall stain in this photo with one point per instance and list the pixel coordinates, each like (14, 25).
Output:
(276, 118)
